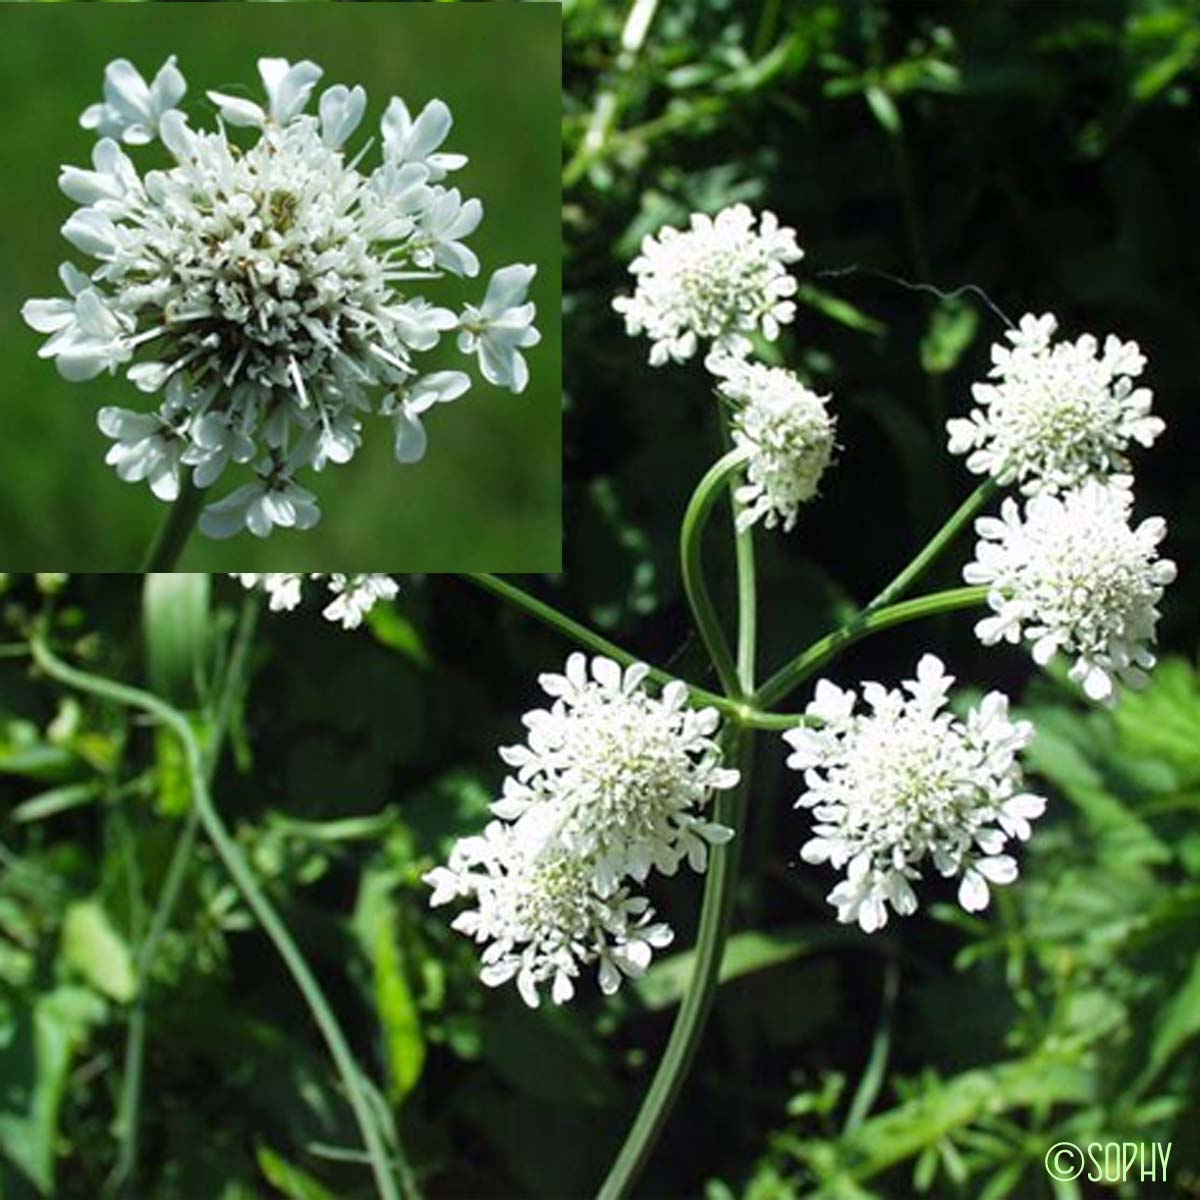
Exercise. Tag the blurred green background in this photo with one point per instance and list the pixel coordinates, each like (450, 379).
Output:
(488, 494)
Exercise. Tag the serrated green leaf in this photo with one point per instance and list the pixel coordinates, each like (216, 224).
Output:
(1178, 1023)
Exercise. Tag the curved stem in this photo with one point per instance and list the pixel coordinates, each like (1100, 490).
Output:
(934, 547)
(243, 877)
(715, 912)
(747, 641)
(129, 1105)
(789, 677)
(175, 530)
(720, 886)
(691, 536)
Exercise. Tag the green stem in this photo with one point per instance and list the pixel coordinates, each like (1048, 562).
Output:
(747, 591)
(691, 537)
(738, 711)
(720, 886)
(175, 530)
(715, 912)
(789, 677)
(129, 1106)
(934, 547)
(243, 877)
(576, 632)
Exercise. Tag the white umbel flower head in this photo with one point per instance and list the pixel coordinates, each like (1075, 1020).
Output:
(628, 774)
(353, 595)
(610, 782)
(1057, 413)
(905, 783)
(1071, 574)
(715, 282)
(786, 434)
(265, 282)
(539, 914)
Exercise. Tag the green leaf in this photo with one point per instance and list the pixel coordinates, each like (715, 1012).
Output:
(41, 1039)
(1164, 720)
(393, 629)
(292, 1182)
(403, 1043)
(664, 984)
(549, 1056)
(1178, 1024)
(952, 327)
(923, 1122)
(175, 623)
(375, 924)
(55, 801)
(884, 108)
(837, 309)
(93, 947)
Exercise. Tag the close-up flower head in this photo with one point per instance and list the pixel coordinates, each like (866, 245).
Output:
(268, 292)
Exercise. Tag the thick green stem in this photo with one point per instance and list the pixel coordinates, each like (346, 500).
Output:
(935, 546)
(175, 530)
(715, 913)
(791, 676)
(576, 632)
(129, 1106)
(691, 537)
(720, 887)
(243, 877)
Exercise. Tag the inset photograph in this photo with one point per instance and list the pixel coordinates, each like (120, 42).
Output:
(283, 295)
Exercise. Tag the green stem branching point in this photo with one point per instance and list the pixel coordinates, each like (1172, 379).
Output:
(175, 530)
(243, 877)
(794, 673)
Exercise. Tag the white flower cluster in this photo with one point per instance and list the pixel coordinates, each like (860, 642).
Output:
(906, 783)
(269, 286)
(1069, 572)
(1058, 413)
(715, 282)
(1072, 574)
(786, 434)
(353, 595)
(609, 783)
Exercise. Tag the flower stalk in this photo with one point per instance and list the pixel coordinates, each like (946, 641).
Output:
(177, 526)
(691, 535)
(243, 877)
(934, 548)
(794, 673)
